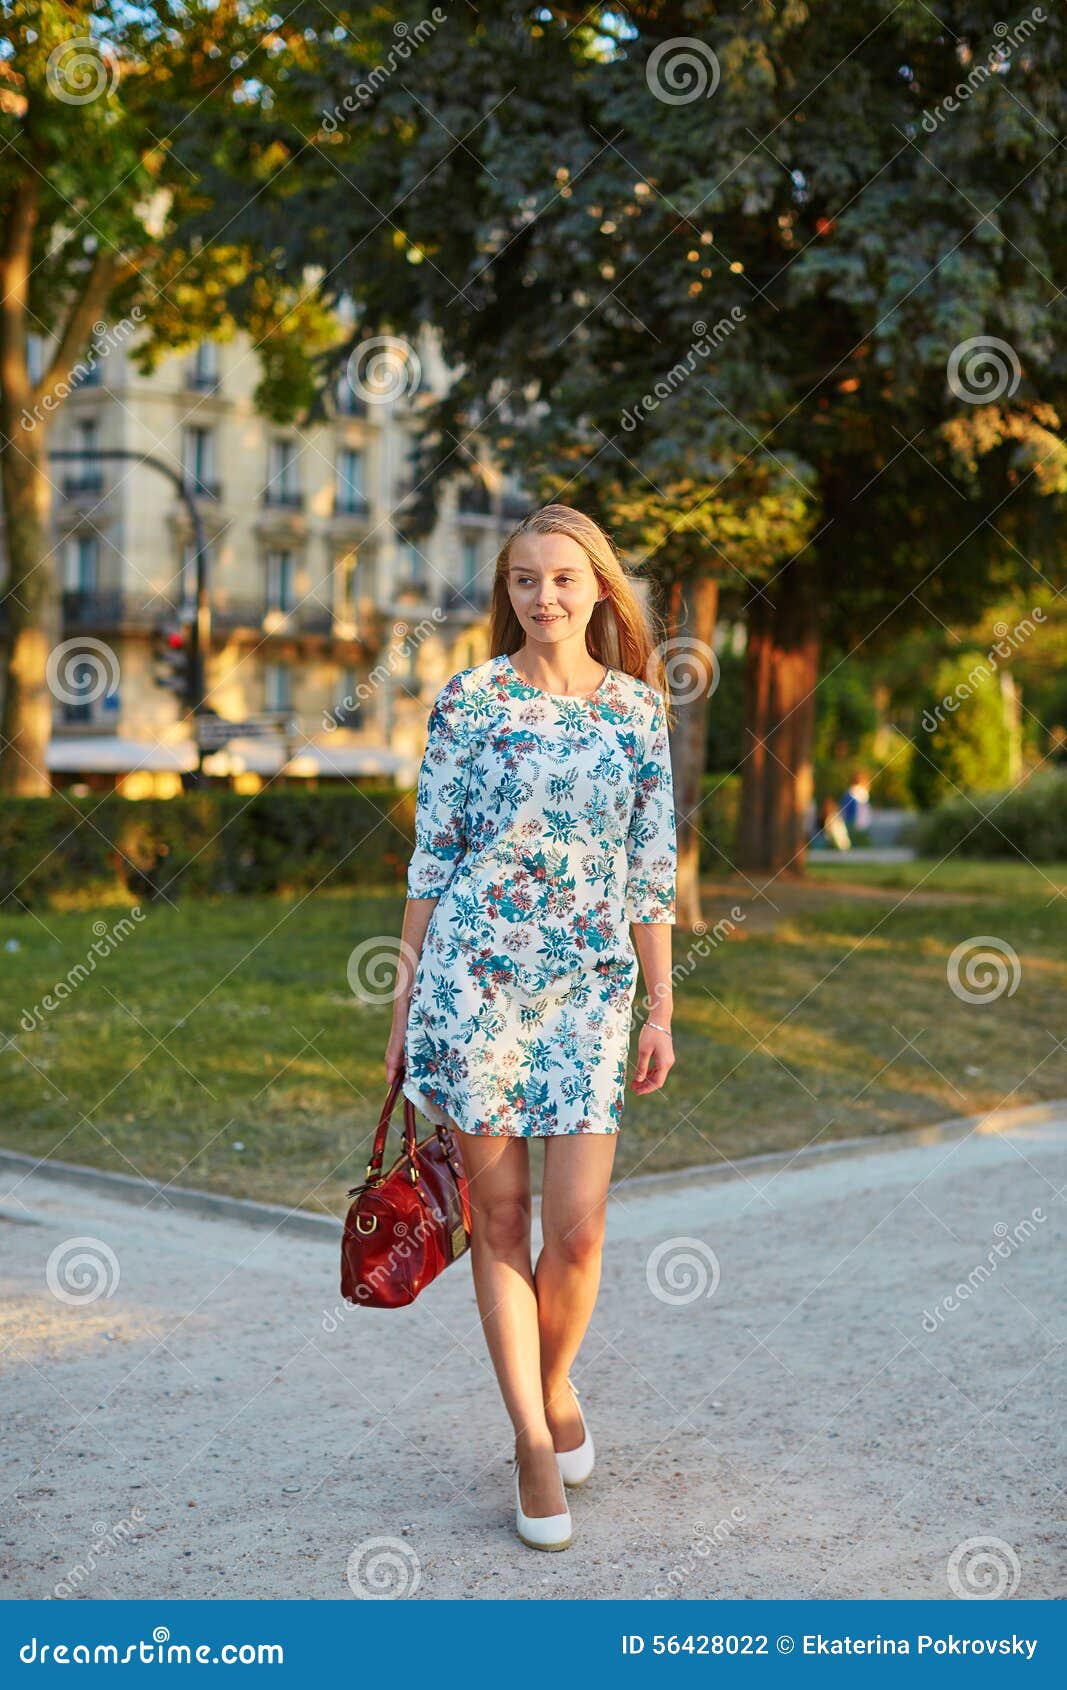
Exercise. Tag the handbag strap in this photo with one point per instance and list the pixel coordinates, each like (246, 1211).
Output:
(374, 1166)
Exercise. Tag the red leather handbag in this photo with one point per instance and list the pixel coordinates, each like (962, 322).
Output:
(406, 1225)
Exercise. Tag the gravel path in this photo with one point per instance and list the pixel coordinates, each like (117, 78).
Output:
(221, 1426)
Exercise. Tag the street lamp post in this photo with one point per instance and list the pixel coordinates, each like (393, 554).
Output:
(200, 642)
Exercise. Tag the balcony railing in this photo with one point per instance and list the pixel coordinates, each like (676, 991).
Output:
(202, 489)
(106, 609)
(351, 504)
(283, 498)
(87, 484)
(310, 618)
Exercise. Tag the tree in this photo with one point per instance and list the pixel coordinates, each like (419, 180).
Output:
(92, 206)
(716, 272)
(963, 739)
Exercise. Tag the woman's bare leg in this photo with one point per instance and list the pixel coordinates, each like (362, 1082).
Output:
(498, 1176)
(574, 1203)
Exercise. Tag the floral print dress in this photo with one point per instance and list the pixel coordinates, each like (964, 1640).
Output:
(544, 825)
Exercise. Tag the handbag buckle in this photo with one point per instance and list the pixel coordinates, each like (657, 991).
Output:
(366, 1223)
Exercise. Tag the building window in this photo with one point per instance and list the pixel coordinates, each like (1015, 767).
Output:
(348, 711)
(86, 374)
(470, 563)
(187, 572)
(277, 687)
(204, 370)
(280, 580)
(282, 484)
(412, 568)
(199, 461)
(35, 357)
(85, 475)
(351, 490)
(81, 674)
(83, 563)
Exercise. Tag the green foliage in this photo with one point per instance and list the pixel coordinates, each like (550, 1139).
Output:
(1029, 821)
(726, 715)
(58, 850)
(732, 352)
(720, 808)
(962, 740)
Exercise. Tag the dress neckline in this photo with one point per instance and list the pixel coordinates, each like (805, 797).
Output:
(564, 697)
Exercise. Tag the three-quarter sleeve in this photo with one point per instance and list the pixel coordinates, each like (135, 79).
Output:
(441, 800)
(651, 842)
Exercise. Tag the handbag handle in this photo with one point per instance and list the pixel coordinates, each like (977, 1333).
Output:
(374, 1166)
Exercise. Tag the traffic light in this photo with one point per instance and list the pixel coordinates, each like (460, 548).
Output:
(173, 657)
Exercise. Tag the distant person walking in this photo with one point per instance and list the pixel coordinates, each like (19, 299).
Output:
(855, 805)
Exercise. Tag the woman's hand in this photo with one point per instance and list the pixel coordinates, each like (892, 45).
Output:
(655, 1059)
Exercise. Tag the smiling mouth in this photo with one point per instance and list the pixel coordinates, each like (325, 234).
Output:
(544, 619)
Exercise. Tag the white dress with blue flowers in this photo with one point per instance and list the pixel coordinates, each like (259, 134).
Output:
(544, 825)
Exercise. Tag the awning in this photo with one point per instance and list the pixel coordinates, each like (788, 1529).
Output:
(106, 754)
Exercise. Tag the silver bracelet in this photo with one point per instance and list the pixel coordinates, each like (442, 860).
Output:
(660, 1029)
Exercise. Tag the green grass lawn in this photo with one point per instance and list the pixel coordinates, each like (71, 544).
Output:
(220, 1044)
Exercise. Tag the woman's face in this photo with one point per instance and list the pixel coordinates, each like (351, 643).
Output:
(552, 586)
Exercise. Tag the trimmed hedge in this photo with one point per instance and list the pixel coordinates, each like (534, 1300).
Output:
(57, 850)
(1030, 822)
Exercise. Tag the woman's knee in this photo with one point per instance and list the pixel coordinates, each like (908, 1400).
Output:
(504, 1224)
(577, 1240)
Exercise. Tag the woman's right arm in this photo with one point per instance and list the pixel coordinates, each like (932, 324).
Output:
(417, 913)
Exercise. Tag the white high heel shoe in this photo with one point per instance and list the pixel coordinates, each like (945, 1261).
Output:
(541, 1531)
(575, 1465)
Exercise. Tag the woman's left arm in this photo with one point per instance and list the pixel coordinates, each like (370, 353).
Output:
(652, 855)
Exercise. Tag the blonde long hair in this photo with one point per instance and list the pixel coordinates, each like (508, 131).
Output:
(621, 634)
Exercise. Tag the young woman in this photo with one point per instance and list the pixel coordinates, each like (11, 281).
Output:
(544, 826)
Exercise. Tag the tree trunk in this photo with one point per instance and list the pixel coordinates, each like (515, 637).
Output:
(31, 604)
(781, 672)
(692, 608)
